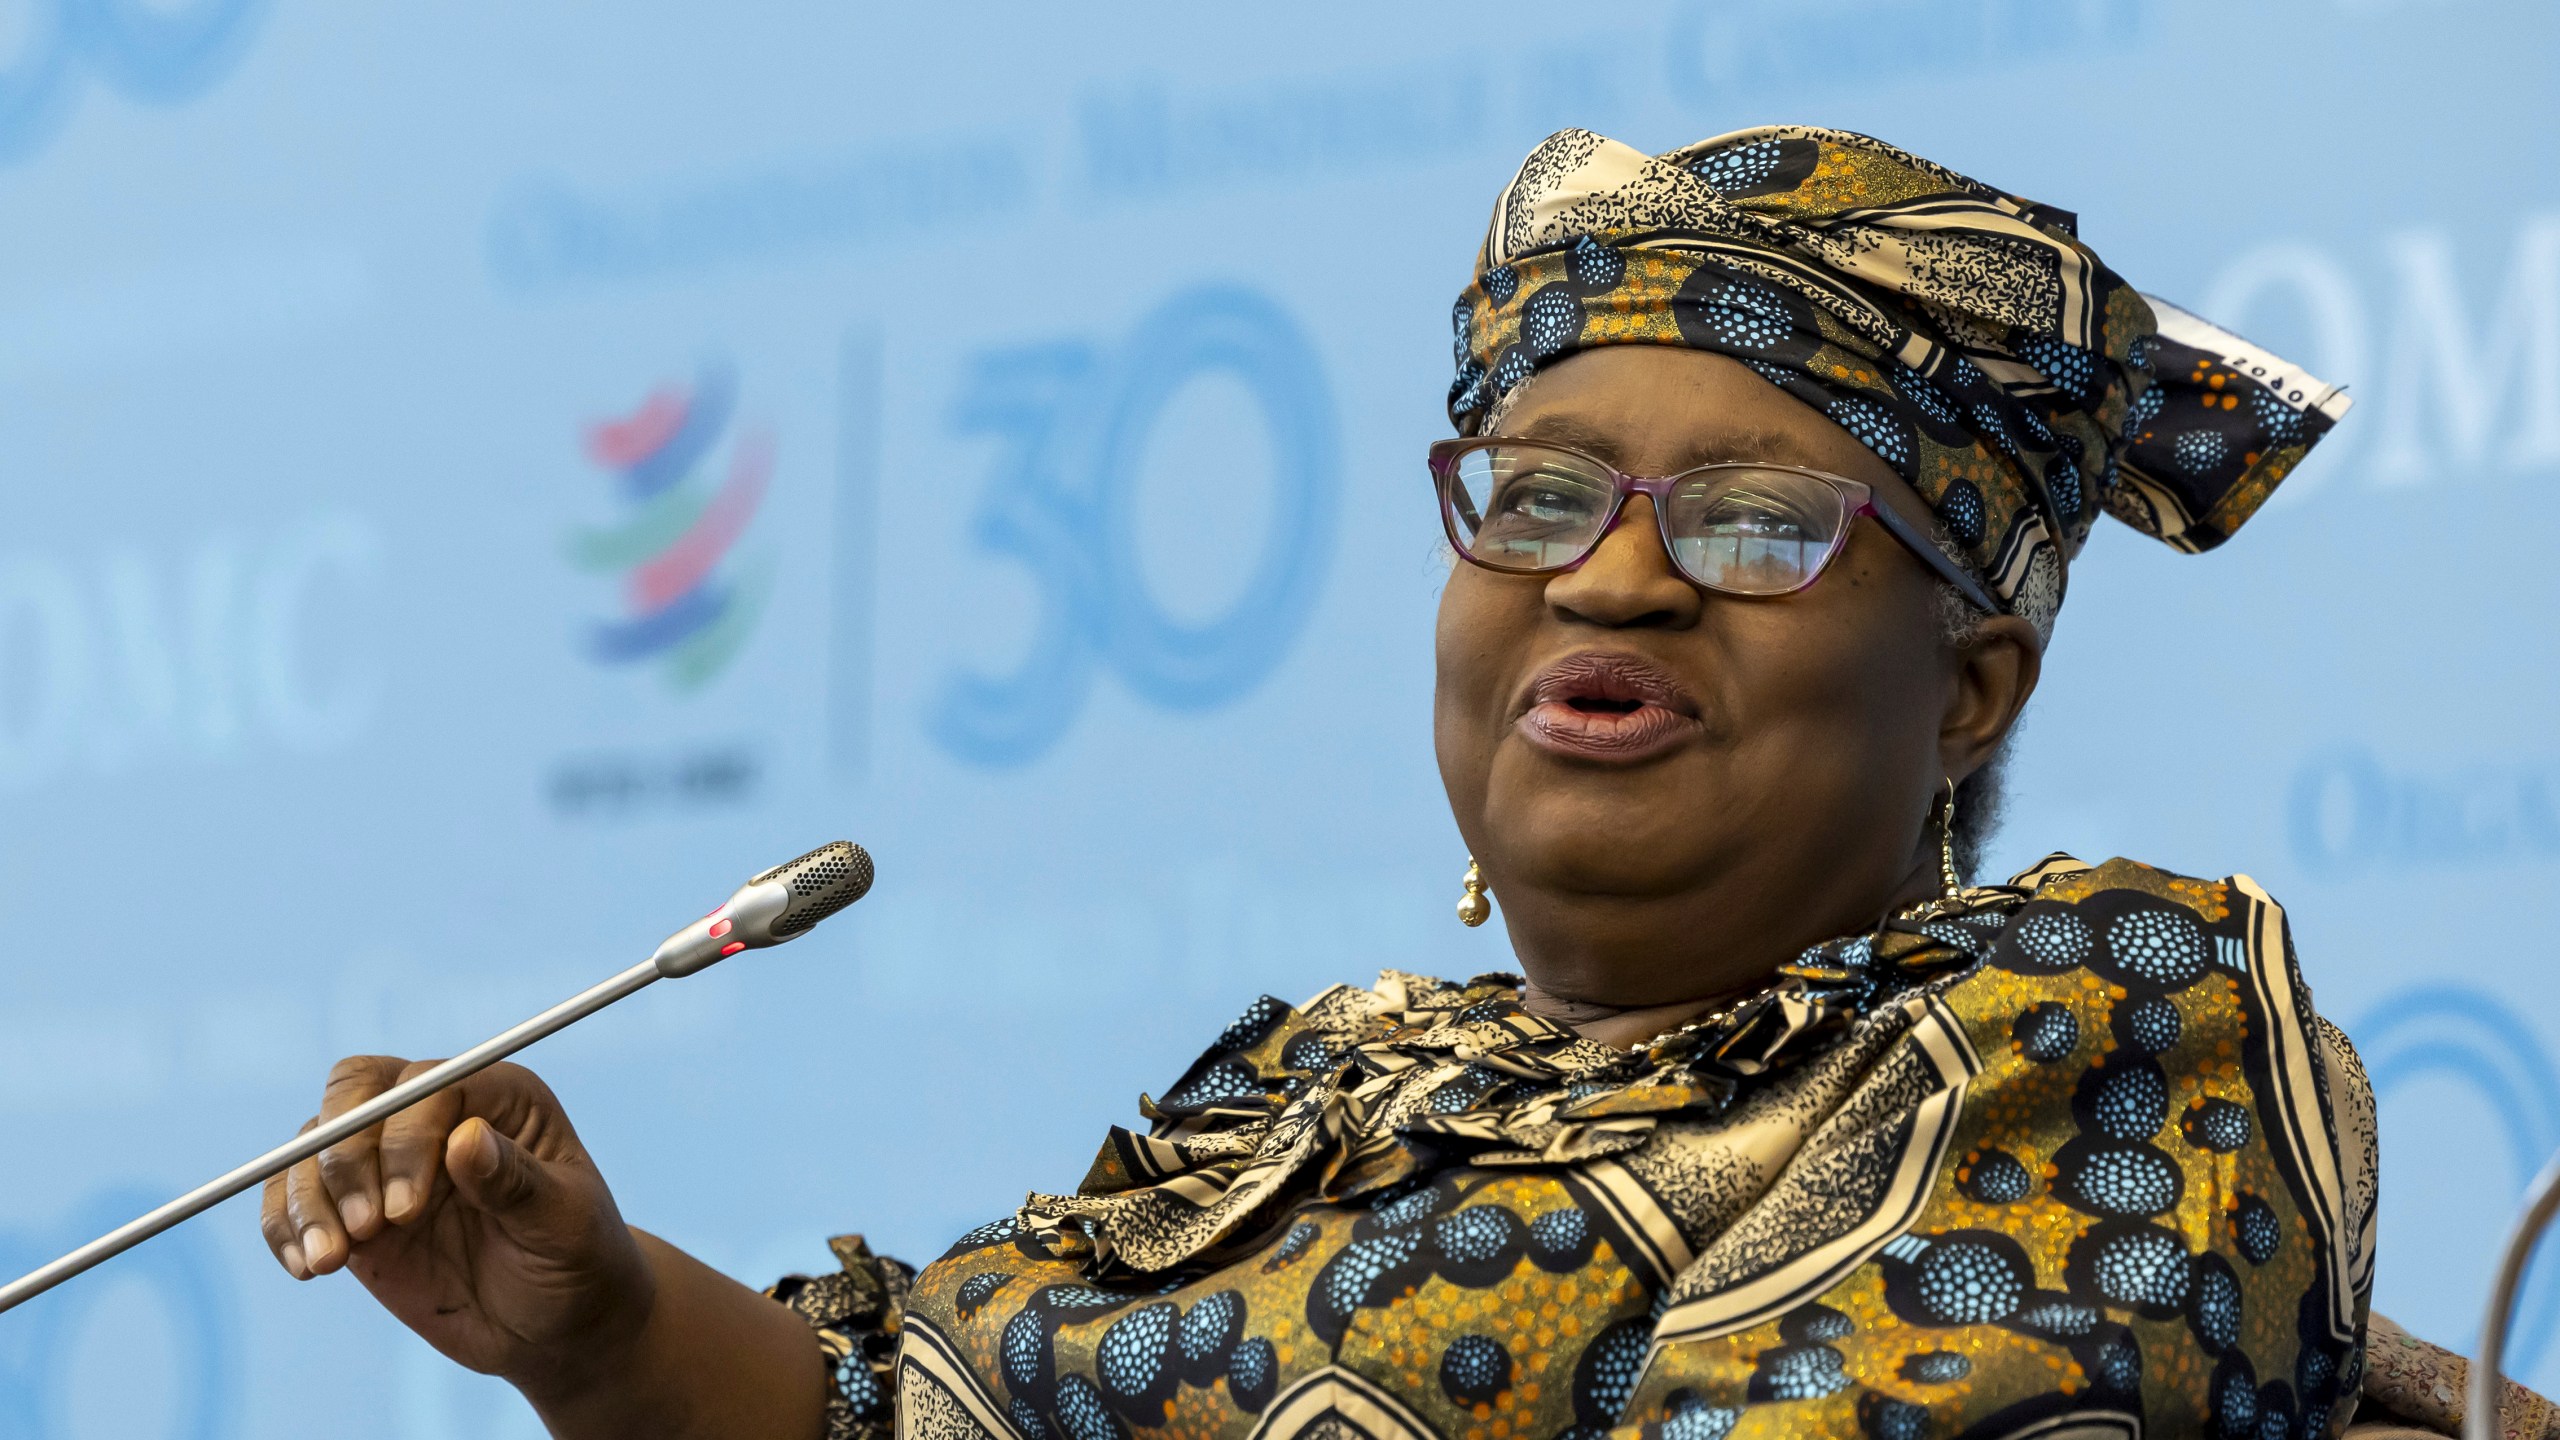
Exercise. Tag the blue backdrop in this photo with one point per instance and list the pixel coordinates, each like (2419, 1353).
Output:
(478, 480)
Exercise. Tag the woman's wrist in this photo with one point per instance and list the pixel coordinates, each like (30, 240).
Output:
(698, 1356)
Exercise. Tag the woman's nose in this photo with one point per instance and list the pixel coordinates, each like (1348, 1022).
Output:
(1629, 579)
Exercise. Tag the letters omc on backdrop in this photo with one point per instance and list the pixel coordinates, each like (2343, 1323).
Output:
(482, 479)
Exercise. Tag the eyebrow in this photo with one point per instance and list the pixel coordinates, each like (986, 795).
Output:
(1728, 448)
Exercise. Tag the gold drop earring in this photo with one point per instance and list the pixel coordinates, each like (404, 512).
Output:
(1950, 897)
(1947, 876)
(1473, 908)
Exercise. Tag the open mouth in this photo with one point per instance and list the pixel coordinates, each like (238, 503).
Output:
(1608, 705)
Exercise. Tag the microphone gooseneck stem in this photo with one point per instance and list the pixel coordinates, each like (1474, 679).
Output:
(774, 908)
(320, 1137)
(2483, 1415)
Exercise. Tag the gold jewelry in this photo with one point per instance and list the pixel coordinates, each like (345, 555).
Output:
(1947, 876)
(1719, 1019)
(1950, 899)
(1473, 908)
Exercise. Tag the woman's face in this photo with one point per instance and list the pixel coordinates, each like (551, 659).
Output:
(1672, 790)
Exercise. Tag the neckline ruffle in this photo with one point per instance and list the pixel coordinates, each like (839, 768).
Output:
(1363, 1092)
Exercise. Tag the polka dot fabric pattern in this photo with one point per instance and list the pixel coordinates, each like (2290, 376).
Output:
(2116, 1240)
(1449, 1312)
(1964, 335)
(2061, 1161)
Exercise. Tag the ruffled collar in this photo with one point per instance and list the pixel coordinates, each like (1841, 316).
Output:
(1362, 1091)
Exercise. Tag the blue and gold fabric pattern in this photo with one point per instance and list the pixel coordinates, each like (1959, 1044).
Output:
(1966, 336)
(2080, 1156)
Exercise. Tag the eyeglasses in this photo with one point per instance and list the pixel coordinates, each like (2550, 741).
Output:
(1527, 508)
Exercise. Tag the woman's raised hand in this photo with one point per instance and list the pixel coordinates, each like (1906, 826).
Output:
(474, 1216)
(477, 1218)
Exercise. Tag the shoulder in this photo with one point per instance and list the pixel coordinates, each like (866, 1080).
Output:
(2140, 1130)
(2121, 963)
(2143, 928)
(2060, 879)
(2149, 1009)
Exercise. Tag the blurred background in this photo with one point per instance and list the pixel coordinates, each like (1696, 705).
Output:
(479, 480)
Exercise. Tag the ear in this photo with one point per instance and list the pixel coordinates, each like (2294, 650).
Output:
(1995, 671)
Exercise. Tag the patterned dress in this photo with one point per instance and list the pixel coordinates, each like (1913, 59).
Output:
(2080, 1158)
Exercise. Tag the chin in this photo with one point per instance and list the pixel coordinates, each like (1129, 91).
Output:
(1565, 849)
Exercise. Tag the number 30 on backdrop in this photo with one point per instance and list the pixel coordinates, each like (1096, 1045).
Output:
(1071, 423)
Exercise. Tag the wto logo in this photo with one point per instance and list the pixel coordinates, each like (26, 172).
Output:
(160, 54)
(681, 609)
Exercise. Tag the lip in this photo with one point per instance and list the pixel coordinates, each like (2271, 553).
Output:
(1660, 713)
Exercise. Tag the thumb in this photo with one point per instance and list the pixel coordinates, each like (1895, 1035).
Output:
(494, 1174)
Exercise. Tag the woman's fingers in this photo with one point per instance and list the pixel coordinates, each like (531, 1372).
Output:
(412, 1153)
(314, 1218)
(495, 1174)
(315, 1214)
(274, 1223)
(501, 1159)
(347, 1169)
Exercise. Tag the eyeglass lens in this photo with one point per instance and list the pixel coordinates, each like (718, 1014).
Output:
(1741, 529)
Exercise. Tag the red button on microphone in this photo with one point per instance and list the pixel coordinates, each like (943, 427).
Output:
(719, 928)
(733, 947)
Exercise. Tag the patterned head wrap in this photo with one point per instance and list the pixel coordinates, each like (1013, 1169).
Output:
(1964, 335)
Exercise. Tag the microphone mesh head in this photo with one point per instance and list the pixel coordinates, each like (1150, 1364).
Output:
(822, 882)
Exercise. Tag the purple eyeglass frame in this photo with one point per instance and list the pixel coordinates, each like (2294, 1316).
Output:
(1857, 496)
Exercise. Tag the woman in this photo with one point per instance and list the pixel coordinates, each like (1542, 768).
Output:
(1785, 1130)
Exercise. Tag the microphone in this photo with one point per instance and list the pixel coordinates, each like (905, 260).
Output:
(776, 907)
